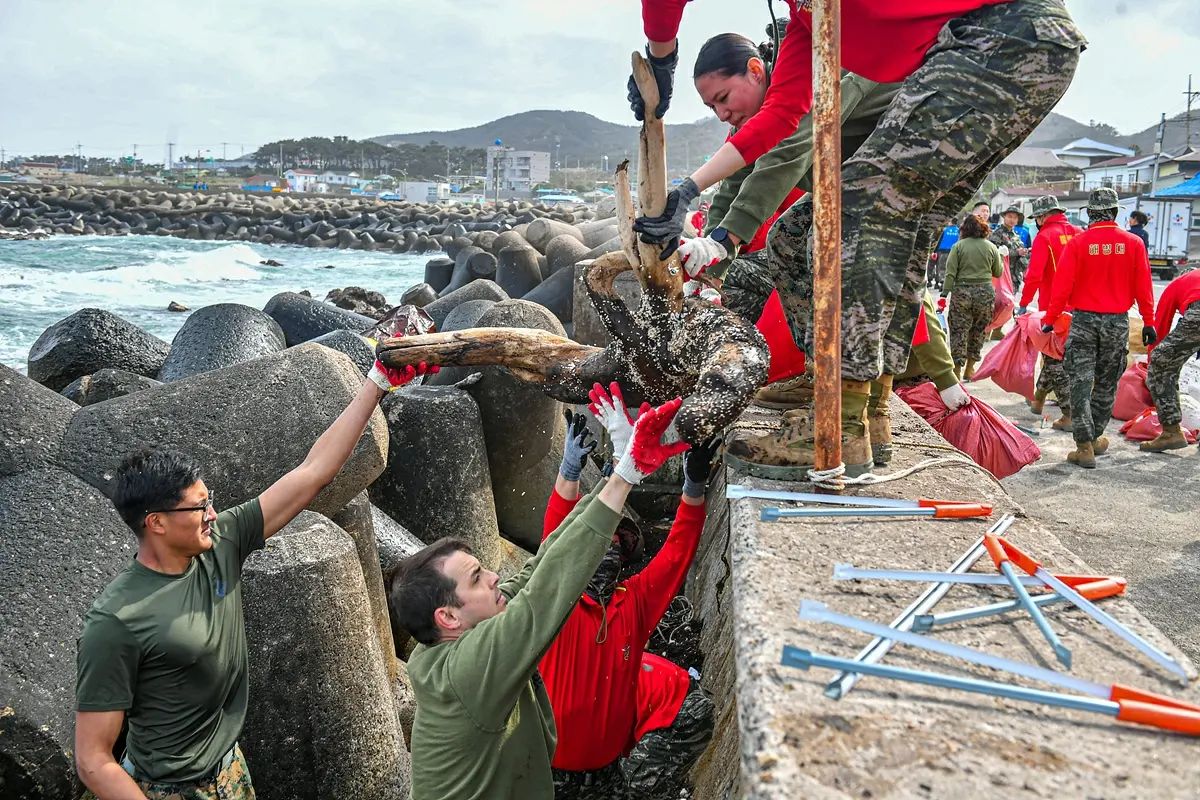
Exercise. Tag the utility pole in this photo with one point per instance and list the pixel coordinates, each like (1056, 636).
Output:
(281, 159)
(78, 158)
(1187, 143)
(223, 156)
(170, 155)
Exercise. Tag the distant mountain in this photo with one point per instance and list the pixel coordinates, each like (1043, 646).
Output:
(1057, 130)
(580, 138)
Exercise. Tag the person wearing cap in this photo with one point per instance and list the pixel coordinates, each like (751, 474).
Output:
(1104, 271)
(1168, 356)
(1006, 235)
(1054, 231)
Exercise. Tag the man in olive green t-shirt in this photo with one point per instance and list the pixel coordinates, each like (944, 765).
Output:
(164, 646)
(484, 727)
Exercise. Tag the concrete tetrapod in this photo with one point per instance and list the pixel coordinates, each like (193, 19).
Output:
(518, 272)
(61, 542)
(303, 319)
(105, 384)
(219, 336)
(357, 520)
(541, 231)
(352, 345)
(247, 425)
(475, 290)
(32, 424)
(322, 720)
(89, 340)
(562, 252)
(557, 293)
(438, 272)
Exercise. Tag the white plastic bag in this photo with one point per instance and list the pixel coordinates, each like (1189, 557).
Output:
(1190, 407)
(1189, 378)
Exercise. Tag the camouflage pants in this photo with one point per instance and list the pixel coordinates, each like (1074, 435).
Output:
(971, 309)
(1095, 358)
(989, 79)
(231, 783)
(659, 763)
(1167, 359)
(598, 784)
(748, 284)
(1053, 378)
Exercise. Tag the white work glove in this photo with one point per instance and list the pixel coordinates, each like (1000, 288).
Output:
(701, 290)
(653, 442)
(955, 396)
(608, 406)
(390, 379)
(1003, 250)
(701, 253)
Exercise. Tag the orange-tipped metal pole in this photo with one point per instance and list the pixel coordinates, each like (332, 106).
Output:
(827, 225)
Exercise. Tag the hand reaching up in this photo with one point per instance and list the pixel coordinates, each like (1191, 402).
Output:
(647, 450)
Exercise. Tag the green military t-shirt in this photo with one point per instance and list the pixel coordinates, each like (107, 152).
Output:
(170, 651)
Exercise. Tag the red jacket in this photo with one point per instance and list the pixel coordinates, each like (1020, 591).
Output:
(662, 686)
(591, 670)
(1052, 238)
(1177, 297)
(1103, 270)
(882, 41)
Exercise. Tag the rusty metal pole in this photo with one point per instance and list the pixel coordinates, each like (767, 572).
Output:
(827, 225)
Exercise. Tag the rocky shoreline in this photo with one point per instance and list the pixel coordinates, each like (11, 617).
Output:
(308, 220)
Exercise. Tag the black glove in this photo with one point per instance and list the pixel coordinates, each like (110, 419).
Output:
(1149, 335)
(578, 447)
(664, 75)
(667, 229)
(697, 466)
(1047, 329)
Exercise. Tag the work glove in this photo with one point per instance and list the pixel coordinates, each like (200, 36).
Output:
(390, 379)
(608, 406)
(697, 466)
(1021, 311)
(955, 396)
(580, 444)
(1149, 335)
(667, 228)
(664, 75)
(1047, 329)
(1003, 250)
(647, 450)
(941, 306)
(701, 253)
(701, 290)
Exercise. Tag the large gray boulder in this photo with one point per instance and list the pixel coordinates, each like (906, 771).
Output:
(303, 319)
(33, 422)
(524, 431)
(220, 336)
(475, 290)
(90, 340)
(556, 293)
(356, 519)
(352, 345)
(247, 425)
(322, 718)
(436, 483)
(106, 384)
(61, 542)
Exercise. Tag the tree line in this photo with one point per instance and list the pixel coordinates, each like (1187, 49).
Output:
(411, 161)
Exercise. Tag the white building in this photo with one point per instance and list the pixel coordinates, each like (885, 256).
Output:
(303, 180)
(510, 170)
(419, 192)
(337, 177)
(1088, 152)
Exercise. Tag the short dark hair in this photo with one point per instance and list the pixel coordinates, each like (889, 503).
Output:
(1139, 217)
(973, 228)
(982, 203)
(148, 480)
(726, 54)
(419, 588)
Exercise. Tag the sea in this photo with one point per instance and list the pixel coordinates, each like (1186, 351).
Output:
(136, 277)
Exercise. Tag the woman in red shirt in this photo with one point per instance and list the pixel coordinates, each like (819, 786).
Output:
(977, 77)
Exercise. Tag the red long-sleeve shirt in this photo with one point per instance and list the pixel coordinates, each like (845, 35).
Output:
(882, 41)
(1051, 240)
(1104, 270)
(1177, 297)
(591, 670)
(662, 685)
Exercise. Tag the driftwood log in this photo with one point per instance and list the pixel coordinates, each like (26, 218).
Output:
(669, 346)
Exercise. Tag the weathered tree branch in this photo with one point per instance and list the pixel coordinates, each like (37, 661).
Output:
(625, 216)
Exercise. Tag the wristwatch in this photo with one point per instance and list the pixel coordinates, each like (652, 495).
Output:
(721, 236)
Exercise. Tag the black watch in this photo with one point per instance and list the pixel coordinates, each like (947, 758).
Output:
(721, 236)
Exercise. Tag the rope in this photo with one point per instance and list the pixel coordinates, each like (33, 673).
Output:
(834, 478)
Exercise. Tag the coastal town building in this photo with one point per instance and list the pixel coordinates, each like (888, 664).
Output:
(418, 192)
(1087, 152)
(515, 171)
(40, 169)
(304, 180)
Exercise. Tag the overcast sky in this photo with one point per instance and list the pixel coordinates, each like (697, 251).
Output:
(112, 74)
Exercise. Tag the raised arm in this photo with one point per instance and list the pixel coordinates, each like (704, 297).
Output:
(565, 495)
(291, 494)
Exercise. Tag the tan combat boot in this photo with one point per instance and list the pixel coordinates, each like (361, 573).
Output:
(1038, 402)
(879, 420)
(794, 392)
(968, 371)
(1083, 455)
(1100, 445)
(1063, 423)
(856, 439)
(1171, 438)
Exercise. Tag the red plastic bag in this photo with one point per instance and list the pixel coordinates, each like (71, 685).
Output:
(787, 360)
(977, 429)
(1011, 362)
(1132, 394)
(1051, 344)
(1005, 302)
(1145, 426)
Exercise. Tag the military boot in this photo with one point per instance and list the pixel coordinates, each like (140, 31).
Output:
(1171, 438)
(968, 371)
(1063, 423)
(1100, 445)
(794, 392)
(856, 439)
(879, 420)
(1038, 402)
(1083, 455)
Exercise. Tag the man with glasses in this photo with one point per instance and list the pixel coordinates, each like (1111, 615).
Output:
(164, 646)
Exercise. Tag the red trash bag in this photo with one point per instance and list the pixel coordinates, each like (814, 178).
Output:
(1011, 362)
(1005, 301)
(977, 429)
(1145, 426)
(787, 360)
(1051, 344)
(1132, 394)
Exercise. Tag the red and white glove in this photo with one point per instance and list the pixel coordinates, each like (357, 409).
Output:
(647, 451)
(390, 379)
(955, 397)
(701, 290)
(941, 306)
(701, 253)
(608, 406)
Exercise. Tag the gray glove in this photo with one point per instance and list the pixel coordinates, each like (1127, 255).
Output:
(664, 75)
(667, 228)
(697, 466)
(579, 446)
